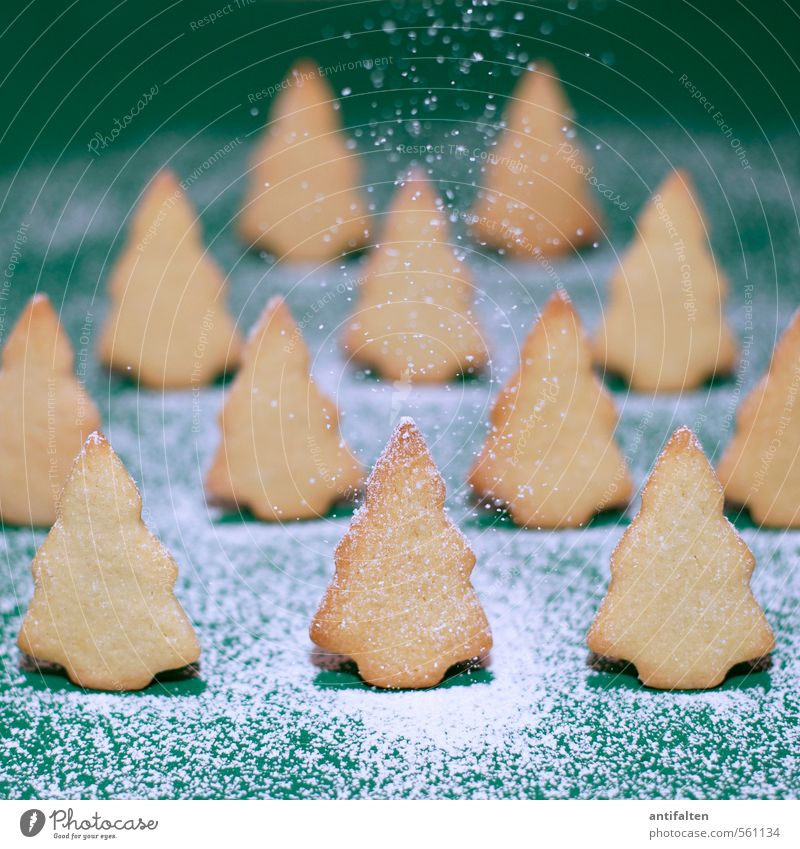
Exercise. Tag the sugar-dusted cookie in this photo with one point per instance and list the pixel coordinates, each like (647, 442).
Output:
(760, 468)
(103, 605)
(303, 200)
(413, 318)
(168, 325)
(550, 455)
(45, 416)
(401, 604)
(282, 455)
(679, 605)
(536, 195)
(663, 327)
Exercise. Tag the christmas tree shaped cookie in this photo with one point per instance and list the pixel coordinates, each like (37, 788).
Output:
(679, 605)
(536, 194)
(664, 328)
(303, 201)
(401, 604)
(414, 315)
(168, 324)
(103, 605)
(761, 467)
(550, 455)
(281, 455)
(45, 417)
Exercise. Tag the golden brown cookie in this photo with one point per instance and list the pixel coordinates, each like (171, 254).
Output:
(663, 327)
(282, 454)
(401, 604)
(103, 605)
(550, 454)
(536, 193)
(679, 605)
(303, 200)
(760, 468)
(168, 325)
(45, 417)
(414, 319)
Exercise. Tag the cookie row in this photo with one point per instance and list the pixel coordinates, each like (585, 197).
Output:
(663, 327)
(549, 456)
(304, 200)
(401, 603)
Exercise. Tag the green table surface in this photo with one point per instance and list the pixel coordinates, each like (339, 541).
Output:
(265, 716)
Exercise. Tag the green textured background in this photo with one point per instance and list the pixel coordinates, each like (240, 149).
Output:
(263, 718)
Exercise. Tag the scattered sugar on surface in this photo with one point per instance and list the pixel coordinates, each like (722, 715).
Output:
(268, 720)
(265, 718)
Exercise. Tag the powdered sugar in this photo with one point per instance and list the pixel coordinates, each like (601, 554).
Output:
(538, 721)
(265, 718)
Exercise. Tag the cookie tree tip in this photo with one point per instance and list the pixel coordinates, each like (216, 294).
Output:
(103, 605)
(304, 199)
(550, 454)
(167, 326)
(535, 197)
(45, 416)
(760, 468)
(679, 605)
(414, 317)
(401, 604)
(664, 327)
(281, 454)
